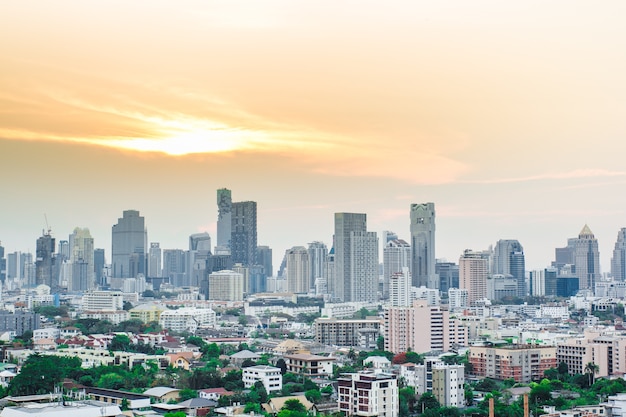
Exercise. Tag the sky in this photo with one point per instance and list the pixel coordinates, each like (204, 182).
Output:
(509, 116)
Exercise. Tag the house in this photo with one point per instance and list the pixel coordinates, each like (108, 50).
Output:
(163, 394)
(118, 397)
(309, 365)
(290, 347)
(377, 362)
(214, 393)
(270, 377)
(239, 357)
(181, 359)
(274, 405)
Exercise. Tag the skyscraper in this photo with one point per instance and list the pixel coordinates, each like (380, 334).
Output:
(45, 271)
(174, 266)
(508, 259)
(154, 260)
(224, 222)
(583, 253)
(423, 245)
(81, 256)
(448, 273)
(98, 266)
(618, 261)
(396, 256)
(356, 259)
(473, 272)
(129, 245)
(318, 254)
(243, 239)
(298, 270)
(3, 265)
(264, 257)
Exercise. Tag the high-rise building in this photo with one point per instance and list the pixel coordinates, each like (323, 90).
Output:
(224, 222)
(200, 241)
(45, 271)
(368, 394)
(129, 245)
(154, 261)
(318, 255)
(618, 261)
(508, 259)
(198, 259)
(98, 266)
(423, 245)
(3, 265)
(396, 257)
(473, 272)
(583, 253)
(264, 258)
(226, 286)
(356, 259)
(243, 241)
(448, 273)
(400, 288)
(81, 257)
(298, 270)
(174, 266)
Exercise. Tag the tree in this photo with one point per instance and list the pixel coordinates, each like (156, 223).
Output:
(247, 363)
(187, 394)
(399, 358)
(380, 343)
(40, 374)
(282, 365)
(591, 369)
(294, 405)
(313, 395)
(120, 342)
(427, 401)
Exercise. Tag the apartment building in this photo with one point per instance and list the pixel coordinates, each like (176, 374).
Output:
(187, 319)
(422, 328)
(445, 382)
(309, 365)
(368, 394)
(523, 363)
(270, 377)
(363, 333)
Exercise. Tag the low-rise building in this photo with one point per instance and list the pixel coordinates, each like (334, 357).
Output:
(270, 377)
(523, 363)
(309, 365)
(349, 332)
(187, 319)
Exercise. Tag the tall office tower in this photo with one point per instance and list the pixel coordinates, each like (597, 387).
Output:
(245, 273)
(318, 254)
(581, 252)
(423, 245)
(3, 265)
(264, 257)
(618, 261)
(356, 259)
(15, 267)
(64, 251)
(473, 272)
(30, 270)
(129, 245)
(243, 239)
(400, 288)
(396, 256)
(257, 280)
(224, 222)
(174, 266)
(298, 270)
(98, 266)
(198, 258)
(154, 261)
(81, 256)
(508, 259)
(448, 273)
(45, 271)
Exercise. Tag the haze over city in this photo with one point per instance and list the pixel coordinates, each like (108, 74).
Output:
(509, 116)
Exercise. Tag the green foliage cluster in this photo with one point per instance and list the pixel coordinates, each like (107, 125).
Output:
(92, 326)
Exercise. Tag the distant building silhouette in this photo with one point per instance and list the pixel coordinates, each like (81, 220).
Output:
(423, 245)
(618, 261)
(243, 242)
(508, 259)
(129, 245)
(45, 266)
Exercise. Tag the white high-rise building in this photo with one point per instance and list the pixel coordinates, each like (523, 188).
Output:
(298, 270)
(458, 298)
(81, 256)
(396, 256)
(226, 286)
(400, 288)
(318, 256)
(154, 261)
(423, 245)
(368, 393)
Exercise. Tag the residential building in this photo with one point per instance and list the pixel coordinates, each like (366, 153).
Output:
(445, 382)
(312, 366)
(187, 319)
(423, 245)
(226, 286)
(19, 322)
(270, 377)
(298, 270)
(129, 245)
(332, 331)
(147, 313)
(522, 363)
(400, 288)
(264, 258)
(458, 299)
(103, 301)
(422, 328)
(396, 257)
(368, 394)
(448, 273)
(318, 256)
(473, 272)
(81, 250)
(356, 259)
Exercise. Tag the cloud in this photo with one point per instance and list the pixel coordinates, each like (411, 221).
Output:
(566, 175)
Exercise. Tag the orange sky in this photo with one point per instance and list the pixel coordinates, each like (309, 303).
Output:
(508, 115)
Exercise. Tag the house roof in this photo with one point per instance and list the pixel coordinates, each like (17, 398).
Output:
(275, 404)
(198, 403)
(159, 391)
(219, 390)
(245, 354)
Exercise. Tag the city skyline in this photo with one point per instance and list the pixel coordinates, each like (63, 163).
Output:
(505, 115)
